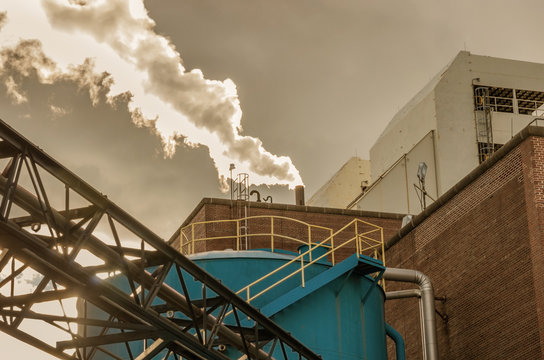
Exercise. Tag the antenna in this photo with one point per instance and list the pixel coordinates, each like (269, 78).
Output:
(420, 190)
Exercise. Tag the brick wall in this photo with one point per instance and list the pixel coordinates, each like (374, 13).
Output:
(219, 209)
(482, 249)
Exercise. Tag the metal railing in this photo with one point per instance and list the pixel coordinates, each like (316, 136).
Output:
(366, 237)
(264, 229)
(506, 104)
(497, 103)
(360, 232)
(530, 107)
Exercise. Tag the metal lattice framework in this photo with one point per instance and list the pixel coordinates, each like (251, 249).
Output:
(95, 252)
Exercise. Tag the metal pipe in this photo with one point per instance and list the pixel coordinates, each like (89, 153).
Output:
(397, 339)
(427, 301)
(299, 195)
(403, 294)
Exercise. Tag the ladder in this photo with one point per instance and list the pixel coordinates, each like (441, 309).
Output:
(484, 123)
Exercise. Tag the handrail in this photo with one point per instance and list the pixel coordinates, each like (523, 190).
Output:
(188, 238)
(378, 244)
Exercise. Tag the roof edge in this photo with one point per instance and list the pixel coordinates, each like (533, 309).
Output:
(290, 207)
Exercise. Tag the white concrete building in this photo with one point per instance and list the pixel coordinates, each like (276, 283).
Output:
(467, 111)
(344, 186)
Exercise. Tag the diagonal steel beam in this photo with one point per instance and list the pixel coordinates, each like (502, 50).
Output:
(108, 339)
(170, 255)
(155, 348)
(70, 274)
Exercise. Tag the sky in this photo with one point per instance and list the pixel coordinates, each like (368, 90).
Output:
(150, 102)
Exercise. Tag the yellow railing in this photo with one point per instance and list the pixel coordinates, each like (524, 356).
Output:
(367, 239)
(272, 228)
(358, 231)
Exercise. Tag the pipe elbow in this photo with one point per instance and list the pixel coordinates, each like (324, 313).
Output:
(423, 281)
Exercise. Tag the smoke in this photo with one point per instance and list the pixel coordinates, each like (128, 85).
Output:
(3, 17)
(182, 105)
(26, 59)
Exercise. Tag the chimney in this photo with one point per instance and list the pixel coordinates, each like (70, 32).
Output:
(299, 195)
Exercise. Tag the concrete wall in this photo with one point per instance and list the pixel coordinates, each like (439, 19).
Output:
(395, 191)
(457, 151)
(483, 250)
(344, 186)
(506, 125)
(446, 105)
(406, 129)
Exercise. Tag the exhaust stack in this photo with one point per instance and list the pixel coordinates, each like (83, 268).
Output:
(299, 195)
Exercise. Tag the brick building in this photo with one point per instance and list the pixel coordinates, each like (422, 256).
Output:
(480, 243)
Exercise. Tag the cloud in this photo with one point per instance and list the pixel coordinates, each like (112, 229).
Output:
(27, 59)
(180, 104)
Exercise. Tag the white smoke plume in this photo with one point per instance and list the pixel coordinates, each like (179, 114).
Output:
(180, 104)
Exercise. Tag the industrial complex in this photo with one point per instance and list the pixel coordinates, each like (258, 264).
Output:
(431, 249)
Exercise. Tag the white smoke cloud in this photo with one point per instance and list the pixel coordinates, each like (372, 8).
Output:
(182, 105)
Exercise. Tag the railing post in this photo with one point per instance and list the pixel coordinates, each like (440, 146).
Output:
(181, 241)
(247, 295)
(383, 246)
(237, 235)
(310, 241)
(332, 247)
(357, 245)
(192, 246)
(272, 233)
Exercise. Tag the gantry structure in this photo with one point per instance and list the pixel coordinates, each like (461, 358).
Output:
(74, 243)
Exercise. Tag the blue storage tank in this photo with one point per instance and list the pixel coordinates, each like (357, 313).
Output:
(339, 313)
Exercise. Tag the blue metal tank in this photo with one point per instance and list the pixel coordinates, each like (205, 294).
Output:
(338, 313)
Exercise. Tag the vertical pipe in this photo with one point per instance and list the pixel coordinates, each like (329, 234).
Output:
(406, 181)
(427, 303)
(299, 195)
(399, 341)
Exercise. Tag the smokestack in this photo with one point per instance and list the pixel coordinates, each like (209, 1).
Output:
(299, 195)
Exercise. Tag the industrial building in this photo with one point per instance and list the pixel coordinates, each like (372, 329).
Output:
(462, 279)
(466, 112)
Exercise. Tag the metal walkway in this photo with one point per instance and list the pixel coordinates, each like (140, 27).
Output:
(90, 249)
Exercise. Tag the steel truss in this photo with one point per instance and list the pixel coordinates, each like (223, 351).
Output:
(96, 252)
